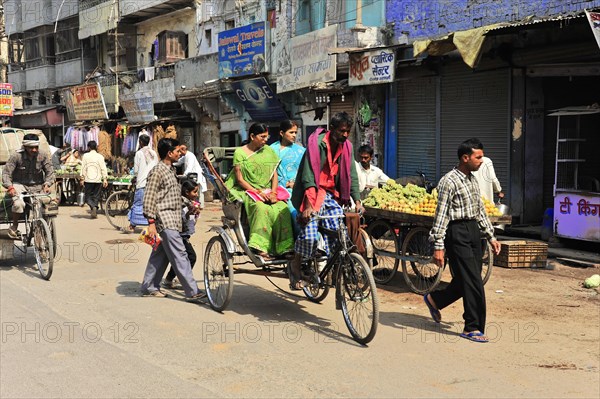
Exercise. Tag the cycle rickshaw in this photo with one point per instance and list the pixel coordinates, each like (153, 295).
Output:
(40, 229)
(346, 270)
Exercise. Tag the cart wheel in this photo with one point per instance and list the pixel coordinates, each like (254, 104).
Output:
(218, 273)
(43, 248)
(357, 295)
(385, 246)
(316, 290)
(59, 192)
(116, 210)
(487, 262)
(421, 274)
(70, 191)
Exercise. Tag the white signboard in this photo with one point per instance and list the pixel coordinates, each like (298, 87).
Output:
(577, 216)
(371, 67)
(310, 60)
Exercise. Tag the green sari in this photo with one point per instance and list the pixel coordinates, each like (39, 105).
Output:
(270, 224)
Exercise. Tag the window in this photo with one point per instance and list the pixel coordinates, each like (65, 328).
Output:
(208, 37)
(67, 41)
(229, 24)
(172, 46)
(39, 47)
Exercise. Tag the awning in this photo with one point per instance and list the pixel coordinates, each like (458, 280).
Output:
(576, 110)
(351, 50)
(34, 110)
(469, 43)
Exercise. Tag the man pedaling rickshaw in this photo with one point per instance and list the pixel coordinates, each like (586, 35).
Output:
(27, 171)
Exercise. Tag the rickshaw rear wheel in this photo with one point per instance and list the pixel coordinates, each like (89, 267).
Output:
(218, 273)
(316, 290)
(43, 248)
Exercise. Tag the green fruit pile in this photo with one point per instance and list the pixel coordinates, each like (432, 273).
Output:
(406, 199)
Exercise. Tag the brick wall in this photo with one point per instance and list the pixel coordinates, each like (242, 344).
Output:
(430, 18)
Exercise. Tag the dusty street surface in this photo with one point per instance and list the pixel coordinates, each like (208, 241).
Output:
(88, 333)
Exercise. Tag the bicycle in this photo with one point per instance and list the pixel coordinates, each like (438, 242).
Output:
(117, 208)
(40, 229)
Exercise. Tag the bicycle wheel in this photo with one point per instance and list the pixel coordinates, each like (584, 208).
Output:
(316, 290)
(421, 274)
(43, 248)
(385, 245)
(218, 273)
(116, 210)
(357, 295)
(487, 262)
(52, 228)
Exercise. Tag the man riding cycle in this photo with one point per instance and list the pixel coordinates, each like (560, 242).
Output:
(27, 171)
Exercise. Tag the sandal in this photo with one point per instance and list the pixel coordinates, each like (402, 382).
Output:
(296, 284)
(155, 294)
(199, 295)
(14, 234)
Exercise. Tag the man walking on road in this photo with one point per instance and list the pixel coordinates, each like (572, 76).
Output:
(459, 217)
(162, 208)
(93, 177)
(145, 159)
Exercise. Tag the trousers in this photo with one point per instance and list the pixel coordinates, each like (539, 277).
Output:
(191, 254)
(465, 252)
(170, 250)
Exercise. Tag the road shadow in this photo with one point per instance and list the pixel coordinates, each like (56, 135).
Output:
(274, 307)
(411, 324)
(23, 261)
(129, 288)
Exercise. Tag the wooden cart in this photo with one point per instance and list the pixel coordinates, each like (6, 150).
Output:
(398, 236)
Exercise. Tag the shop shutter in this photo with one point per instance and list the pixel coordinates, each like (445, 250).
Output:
(476, 104)
(417, 127)
(337, 105)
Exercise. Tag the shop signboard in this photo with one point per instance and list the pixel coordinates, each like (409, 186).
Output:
(85, 103)
(259, 100)
(371, 67)
(577, 215)
(310, 60)
(6, 99)
(594, 20)
(138, 106)
(242, 51)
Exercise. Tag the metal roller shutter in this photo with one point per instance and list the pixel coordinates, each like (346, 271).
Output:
(417, 127)
(476, 104)
(337, 105)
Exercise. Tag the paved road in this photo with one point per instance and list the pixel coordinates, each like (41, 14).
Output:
(88, 333)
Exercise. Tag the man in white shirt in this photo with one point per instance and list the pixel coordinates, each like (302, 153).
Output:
(369, 176)
(93, 177)
(191, 166)
(145, 159)
(488, 182)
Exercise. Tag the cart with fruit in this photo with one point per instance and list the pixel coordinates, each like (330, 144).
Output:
(398, 221)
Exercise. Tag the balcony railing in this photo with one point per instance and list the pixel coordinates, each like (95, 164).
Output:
(41, 61)
(86, 4)
(68, 55)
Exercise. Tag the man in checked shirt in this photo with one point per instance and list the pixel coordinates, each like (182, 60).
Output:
(459, 220)
(162, 207)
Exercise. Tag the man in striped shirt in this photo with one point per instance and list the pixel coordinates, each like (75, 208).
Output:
(459, 220)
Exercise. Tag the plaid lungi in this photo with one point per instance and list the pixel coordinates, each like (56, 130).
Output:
(308, 239)
(136, 215)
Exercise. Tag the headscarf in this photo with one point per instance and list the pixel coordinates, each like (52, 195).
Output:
(31, 143)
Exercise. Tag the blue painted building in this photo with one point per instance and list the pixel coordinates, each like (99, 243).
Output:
(543, 56)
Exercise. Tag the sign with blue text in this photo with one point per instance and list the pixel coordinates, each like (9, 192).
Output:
(259, 100)
(242, 51)
(371, 67)
(138, 106)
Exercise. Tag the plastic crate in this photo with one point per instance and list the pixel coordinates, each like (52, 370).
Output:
(522, 254)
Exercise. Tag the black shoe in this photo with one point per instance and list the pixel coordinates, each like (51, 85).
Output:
(94, 213)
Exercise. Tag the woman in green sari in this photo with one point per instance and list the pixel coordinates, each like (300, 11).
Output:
(255, 173)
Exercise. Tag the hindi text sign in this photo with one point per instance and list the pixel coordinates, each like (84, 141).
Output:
(6, 99)
(85, 103)
(577, 216)
(310, 60)
(371, 67)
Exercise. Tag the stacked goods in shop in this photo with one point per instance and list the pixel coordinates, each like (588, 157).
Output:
(105, 144)
(410, 199)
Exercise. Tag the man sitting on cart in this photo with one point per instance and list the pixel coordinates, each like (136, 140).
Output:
(27, 171)
(326, 181)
